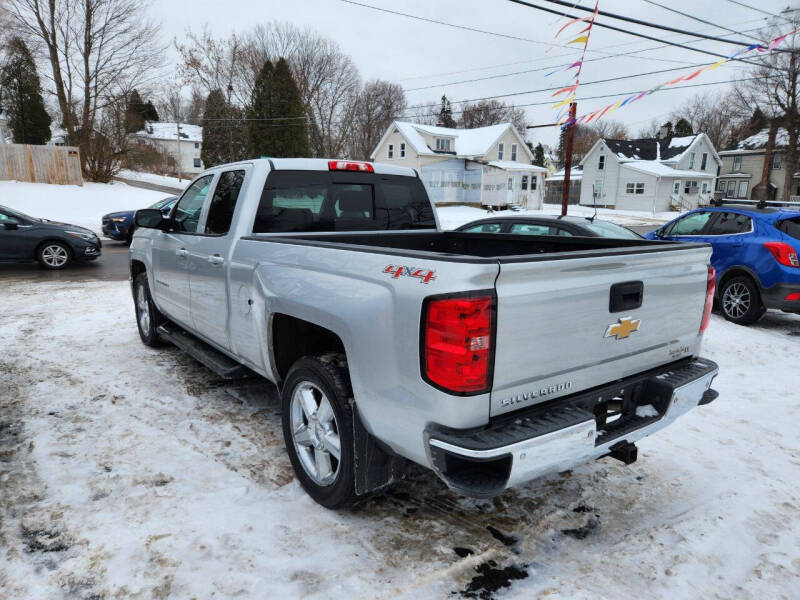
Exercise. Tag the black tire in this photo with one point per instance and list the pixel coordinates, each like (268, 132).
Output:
(54, 255)
(129, 237)
(740, 301)
(328, 373)
(148, 328)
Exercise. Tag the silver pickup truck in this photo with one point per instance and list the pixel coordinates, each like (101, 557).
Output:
(490, 358)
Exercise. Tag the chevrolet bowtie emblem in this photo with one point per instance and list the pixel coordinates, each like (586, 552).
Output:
(623, 328)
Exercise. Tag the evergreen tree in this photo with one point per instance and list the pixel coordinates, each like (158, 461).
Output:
(683, 127)
(149, 112)
(666, 130)
(538, 155)
(446, 114)
(758, 122)
(22, 96)
(561, 151)
(274, 128)
(216, 146)
(134, 113)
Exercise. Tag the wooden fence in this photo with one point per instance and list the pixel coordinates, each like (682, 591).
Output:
(40, 164)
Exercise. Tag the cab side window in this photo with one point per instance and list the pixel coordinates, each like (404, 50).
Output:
(223, 202)
(693, 224)
(727, 223)
(186, 215)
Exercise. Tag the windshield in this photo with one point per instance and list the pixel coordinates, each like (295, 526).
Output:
(611, 230)
(16, 214)
(163, 203)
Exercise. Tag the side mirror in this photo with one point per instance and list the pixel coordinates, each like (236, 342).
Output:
(11, 224)
(150, 218)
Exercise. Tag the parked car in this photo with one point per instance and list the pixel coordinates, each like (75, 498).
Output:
(547, 225)
(55, 245)
(755, 255)
(487, 358)
(119, 225)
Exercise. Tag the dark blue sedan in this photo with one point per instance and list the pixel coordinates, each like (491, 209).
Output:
(755, 255)
(119, 225)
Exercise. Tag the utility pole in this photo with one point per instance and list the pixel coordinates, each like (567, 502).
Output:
(573, 107)
(180, 175)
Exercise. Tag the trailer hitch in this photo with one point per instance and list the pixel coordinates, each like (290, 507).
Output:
(626, 452)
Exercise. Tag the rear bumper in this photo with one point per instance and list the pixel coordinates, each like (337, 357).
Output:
(776, 297)
(558, 435)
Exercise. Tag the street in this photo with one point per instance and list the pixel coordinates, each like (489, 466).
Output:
(111, 266)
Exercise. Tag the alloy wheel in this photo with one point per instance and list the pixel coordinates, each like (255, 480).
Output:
(736, 300)
(55, 255)
(315, 433)
(143, 308)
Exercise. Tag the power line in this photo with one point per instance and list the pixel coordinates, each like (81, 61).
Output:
(628, 32)
(751, 7)
(698, 19)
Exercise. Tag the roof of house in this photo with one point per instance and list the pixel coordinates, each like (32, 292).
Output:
(467, 143)
(509, 165)
(668, 149)
(659, 169)
(576, 174)
(169, 131)
(759, 140)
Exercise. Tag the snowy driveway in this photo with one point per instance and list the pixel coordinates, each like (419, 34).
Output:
(127, 472)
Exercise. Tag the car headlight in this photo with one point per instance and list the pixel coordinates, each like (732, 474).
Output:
(89, 237)
(118, 219)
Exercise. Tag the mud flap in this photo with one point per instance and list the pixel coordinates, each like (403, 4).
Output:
(375, 465)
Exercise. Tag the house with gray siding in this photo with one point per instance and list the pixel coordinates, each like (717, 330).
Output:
(756, 164)
(486, 166)
(658, 175)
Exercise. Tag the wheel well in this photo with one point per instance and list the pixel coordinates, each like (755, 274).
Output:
(50, 241)
(735, 272)
(293, 338)
(137, 267)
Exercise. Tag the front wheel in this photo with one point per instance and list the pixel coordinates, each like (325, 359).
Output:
(318, 428)
(148, 318)
(53, 255)
(740, 301)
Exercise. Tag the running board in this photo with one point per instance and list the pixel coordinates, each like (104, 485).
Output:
(222, 365)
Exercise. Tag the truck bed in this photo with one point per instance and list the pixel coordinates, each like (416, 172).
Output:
(454, 246)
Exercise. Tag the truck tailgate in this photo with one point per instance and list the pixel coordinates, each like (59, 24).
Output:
(557, 334)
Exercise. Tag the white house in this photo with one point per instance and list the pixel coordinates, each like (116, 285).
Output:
(670, 173)
(489, 166)
(181, 141)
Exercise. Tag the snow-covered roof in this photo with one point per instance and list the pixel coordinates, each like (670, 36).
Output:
(759, 140)
(509, 165)
(669, 149)
(169, 131)
(653, 167)
(737, 175)
(466, 143)
(576, 174)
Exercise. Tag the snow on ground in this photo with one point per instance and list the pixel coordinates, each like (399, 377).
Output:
(77, 205)
(158, 179)
(129, 472)
(455, 216)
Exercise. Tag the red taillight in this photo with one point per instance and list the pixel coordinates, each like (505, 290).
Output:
(350, 165)
(712, 281)
(793, 297)
(457, 344)
(783, 253)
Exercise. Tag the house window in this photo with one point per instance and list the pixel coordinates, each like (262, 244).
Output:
(704, 187)
(691, 160)
(442, 145)
(704, 161)
(776, 161)
(390, 152)
(196, 145)
(402, 150)
(737, 164)
(634, 188)
(513, 152)
(601, 162)
(690, 187)
(197, 163)
(500, 149)
(524, 185)
(721, 185)
(742, 190)
(533, 182)
(730, 192)
(676, 188)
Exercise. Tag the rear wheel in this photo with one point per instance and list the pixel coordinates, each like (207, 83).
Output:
(53, 255)
(740, 301)
(318, 428)
(148, 318)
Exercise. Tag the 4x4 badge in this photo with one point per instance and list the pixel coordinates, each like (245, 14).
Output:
(623, 328)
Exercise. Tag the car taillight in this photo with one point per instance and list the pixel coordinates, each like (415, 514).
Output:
(457, 345)
(783, 253)
(712, 281)
(350, 165)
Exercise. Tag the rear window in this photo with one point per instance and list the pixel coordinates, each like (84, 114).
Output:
(537, 229)
(298, 201)
(611, 230)
(790, 227)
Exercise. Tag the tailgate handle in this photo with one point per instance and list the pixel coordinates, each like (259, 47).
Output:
(626, 296)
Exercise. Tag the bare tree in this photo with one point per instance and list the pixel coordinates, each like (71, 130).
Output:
(376, 107)
(97, 51)
(420, 113)
(714, 114)
(774, 86)
(492, 112)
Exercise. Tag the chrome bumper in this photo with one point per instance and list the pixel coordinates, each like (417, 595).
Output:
(564, 448)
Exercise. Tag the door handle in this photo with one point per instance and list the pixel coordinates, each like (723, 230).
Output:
(182, 252)
(216, 259)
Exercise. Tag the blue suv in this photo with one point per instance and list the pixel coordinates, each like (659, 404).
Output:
(755, 256)
(119, 225)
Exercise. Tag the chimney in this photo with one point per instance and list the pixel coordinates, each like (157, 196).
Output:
(763, 192)
(663, 132)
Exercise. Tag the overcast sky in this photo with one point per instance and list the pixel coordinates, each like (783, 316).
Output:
(417, 54)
